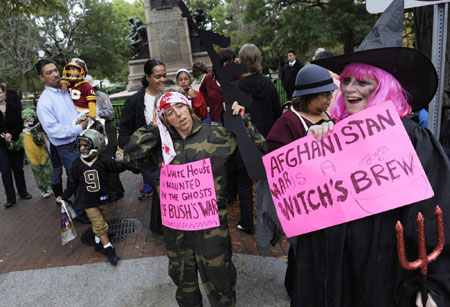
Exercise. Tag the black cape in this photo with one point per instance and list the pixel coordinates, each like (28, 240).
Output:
(355, 264)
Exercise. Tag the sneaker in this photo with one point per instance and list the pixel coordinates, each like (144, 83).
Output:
(112, 256)
(99, 248)
(47, 194)
(145, 195)
(249, 231)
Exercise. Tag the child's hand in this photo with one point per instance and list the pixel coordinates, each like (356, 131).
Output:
(59, 200)
(8, 137)
(191, 92)
(64, 85)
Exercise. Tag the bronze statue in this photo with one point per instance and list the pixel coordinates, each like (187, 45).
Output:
(139, 40)
(132, 28)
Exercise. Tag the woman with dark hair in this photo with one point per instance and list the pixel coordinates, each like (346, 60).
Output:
(138, 109)
(138, 112)
(314, 88)
(308, 106)
(11, 125)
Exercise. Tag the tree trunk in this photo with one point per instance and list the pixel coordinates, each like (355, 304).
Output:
(24, 83)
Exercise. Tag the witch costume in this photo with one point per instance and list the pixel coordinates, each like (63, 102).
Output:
(355, 263)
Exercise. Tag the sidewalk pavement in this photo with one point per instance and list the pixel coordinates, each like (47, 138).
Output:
(35, 268)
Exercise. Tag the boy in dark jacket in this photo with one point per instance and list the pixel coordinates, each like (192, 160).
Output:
(89, 173)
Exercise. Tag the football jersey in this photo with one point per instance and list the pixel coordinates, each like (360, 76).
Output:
(91, 178)
(82, 94)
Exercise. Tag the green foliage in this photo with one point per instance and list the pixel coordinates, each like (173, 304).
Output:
(108, 52)
(17, 8)
(277, 26)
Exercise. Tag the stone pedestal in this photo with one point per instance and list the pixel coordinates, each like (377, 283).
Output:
(136, 74)
(168, 36)
(168, 41)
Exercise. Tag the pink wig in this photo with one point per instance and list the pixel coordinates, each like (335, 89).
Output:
(388, 89)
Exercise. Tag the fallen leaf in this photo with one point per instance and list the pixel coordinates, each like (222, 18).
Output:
(244, 260)
(1, 260)
(85, 284)
(44, 251)
(137, 246)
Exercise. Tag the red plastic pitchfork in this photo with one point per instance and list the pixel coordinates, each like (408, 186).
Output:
(424, 259)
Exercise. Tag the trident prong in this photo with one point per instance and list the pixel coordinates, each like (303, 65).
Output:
(424, 259)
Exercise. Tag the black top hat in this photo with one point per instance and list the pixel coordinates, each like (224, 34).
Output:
(381, 48)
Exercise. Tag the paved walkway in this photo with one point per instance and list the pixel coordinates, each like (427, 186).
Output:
(30, 241)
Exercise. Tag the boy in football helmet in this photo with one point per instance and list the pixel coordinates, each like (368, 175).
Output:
(81, 92)
(89, 174)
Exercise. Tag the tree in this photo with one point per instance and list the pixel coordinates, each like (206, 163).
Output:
(19, 41)
(93, 30)
(17, 8)
(277, 26)
(61, 31)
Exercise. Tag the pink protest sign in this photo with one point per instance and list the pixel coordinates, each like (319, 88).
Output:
(188, 197)
(366, 165)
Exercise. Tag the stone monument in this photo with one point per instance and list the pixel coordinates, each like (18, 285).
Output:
(169, 40)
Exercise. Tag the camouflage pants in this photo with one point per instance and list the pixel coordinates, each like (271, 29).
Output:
(205, 251)
(43, 175)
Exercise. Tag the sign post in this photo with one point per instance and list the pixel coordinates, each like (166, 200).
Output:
(438, 52)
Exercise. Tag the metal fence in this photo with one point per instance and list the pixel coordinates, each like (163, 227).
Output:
(117, 113)
(280, 90)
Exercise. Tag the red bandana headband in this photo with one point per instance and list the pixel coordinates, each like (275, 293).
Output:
(165, 102)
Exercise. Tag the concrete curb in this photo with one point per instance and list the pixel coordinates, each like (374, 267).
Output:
(136, 282)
